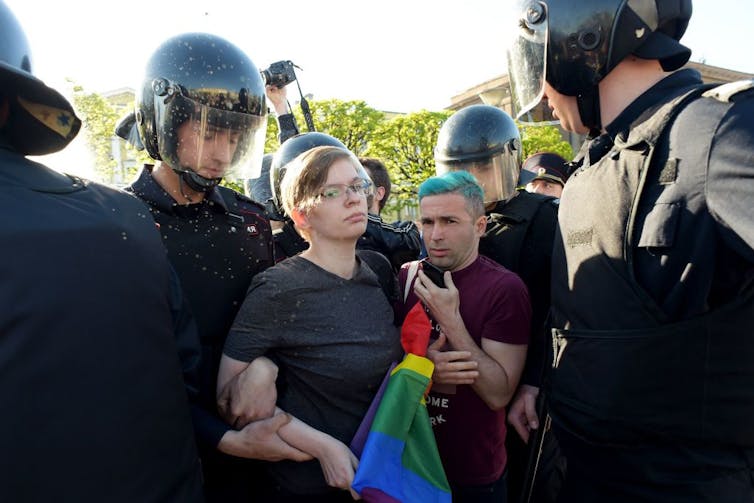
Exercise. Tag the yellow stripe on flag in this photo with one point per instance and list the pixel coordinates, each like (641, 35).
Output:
(418, 364)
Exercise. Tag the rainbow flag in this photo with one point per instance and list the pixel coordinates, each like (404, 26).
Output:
(400, 462)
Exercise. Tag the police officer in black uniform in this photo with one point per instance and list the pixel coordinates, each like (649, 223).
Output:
(201, 112)
(485, 141)
(653, 267)
(93, 404)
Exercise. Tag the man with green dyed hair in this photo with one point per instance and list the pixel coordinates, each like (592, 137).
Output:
(478, 345)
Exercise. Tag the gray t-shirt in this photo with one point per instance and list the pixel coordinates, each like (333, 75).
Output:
(333, 340)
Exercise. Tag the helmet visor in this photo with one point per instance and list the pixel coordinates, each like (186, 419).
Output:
(212, 143)
(497, 175)
(527, 56)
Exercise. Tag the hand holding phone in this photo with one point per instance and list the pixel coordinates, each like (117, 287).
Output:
(434, 273)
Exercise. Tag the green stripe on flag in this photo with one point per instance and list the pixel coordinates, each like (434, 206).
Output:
(420, 454)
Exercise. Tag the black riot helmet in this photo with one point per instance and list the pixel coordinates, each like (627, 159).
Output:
(288, 151)
(201, 109)
(41, 120)
(485, 141)
(574, 44)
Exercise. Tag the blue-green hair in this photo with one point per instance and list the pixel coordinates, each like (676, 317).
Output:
(456, 182)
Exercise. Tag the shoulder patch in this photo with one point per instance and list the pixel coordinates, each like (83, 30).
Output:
(725, 92)
(252, 230)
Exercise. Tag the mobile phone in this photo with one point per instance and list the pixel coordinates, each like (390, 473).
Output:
(434, 273)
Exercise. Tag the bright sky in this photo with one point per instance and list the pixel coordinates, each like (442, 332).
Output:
(397, 55)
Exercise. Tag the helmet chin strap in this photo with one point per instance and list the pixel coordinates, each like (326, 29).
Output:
(589, 110)
(195, 181)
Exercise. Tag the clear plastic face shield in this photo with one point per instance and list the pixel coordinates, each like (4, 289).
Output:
(527, 56)
(211, 142)
(497, 175)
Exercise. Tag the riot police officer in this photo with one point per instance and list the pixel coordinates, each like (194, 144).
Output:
(94, 407)
(652, 268)
(201, 112)
(485, 141)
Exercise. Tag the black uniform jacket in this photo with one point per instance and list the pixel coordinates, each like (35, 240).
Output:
(399, 241)
(215, 247)
(93, 403)
(519, 236)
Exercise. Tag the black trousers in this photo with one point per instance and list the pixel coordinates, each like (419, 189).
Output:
(535, 470)
(681, 473)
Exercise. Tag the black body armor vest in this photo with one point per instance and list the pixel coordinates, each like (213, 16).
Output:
(624, 371)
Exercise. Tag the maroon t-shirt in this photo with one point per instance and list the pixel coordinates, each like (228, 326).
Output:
(470, 436)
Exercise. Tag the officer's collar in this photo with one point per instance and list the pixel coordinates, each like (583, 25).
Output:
(147, 188)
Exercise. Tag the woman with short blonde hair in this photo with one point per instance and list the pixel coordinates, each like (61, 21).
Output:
(324, 318)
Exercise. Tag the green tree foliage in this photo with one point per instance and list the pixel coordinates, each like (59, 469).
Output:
(544, 139)
(406, 145)
(352, 122)
(234, 184)
(271, 143)
(99, 119)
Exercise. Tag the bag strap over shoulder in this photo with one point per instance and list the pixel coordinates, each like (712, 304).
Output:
(413, 267)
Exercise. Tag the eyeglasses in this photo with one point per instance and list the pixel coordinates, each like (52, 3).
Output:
(336, 190)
